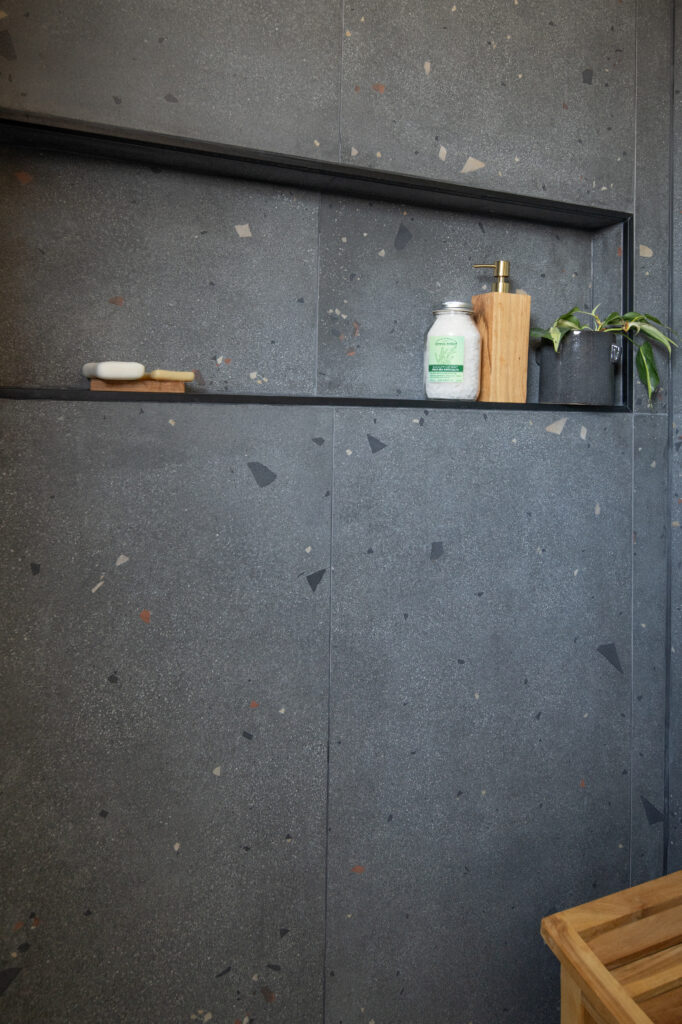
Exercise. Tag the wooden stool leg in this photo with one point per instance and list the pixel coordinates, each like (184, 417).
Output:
(572, 1009)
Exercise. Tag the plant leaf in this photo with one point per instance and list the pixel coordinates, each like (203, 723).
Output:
(653, 332)
(646, 368)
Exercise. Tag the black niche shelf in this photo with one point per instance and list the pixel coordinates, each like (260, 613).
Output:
(324, 401)
(46, 132)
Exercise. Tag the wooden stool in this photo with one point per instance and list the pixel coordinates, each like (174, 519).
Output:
(621, 956)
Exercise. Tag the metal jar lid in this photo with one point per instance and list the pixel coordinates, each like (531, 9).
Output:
(451, 306)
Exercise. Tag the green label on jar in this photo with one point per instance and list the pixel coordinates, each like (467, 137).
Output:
(446, 360)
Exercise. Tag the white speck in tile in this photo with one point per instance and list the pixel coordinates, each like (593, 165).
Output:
(427, 67)
(483, 792)
(243, 230)
(576, 571)
(472, 164)
(676, 524)
(176, 846)
(122, 559)
(172, 422)
(520, 74)
(343, 238)
(316, 143)
(644, 250)
(282, 711)
(349, 451)
(216, 771)
(652, 465)
(538, 551)
(353, 151)
(254, 977)
(514, 441)
(643, 625)
(476, 696)
(583, 433)
(208, 1017)
(442, 153)
(362, 18)
(586, 715)
(219, 360)
(520, 291)
(364, 234)
(382, 252)
(253, 374)
(348, 33)
(597, 509)
(97, 586)
(557, 427)
(379, 154)
(415, 421)
(308, 550)
(338, 312)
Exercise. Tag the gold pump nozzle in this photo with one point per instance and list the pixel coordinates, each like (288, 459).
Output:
(501, 268)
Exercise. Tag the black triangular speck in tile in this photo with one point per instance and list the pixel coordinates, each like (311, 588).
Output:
(611, 654)
(436, 550)
(319, 441)
(261, 474)
(315, 578)
(653, 815)
(375, 444)
(403, 236)
(7, 976)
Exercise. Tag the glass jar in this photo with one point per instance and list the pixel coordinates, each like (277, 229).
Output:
(452, 355)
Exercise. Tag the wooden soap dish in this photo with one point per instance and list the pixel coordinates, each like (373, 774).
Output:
(176, 387)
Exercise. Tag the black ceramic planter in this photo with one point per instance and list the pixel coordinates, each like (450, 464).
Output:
(582, 372)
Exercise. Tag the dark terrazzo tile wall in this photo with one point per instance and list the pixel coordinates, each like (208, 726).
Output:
(122, 261)
(262, 75)
(652, 269)
(675, 506)
(649, 617)
(165, 653)
(439, 89)
(480, 704)
(451, 91)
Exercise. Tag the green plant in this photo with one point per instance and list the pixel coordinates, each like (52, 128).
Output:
(632, 325)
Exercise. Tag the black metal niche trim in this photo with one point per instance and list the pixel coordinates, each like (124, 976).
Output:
(111, 142)
(44, 131)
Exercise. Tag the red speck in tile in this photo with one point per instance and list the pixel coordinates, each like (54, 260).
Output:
(378, 87)
(117, 300)
(358, 869)
(350, 352)
(620, 251)
(565, 106)
(582, 783)
(356, 328)
(23, 177)
(254, 704)
(268, 994)
(357, 88)
(145, 615)
(18, 926)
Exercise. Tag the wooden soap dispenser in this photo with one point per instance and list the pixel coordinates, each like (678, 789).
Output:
(503, 321)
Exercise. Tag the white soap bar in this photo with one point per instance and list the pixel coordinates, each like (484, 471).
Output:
(114, 370)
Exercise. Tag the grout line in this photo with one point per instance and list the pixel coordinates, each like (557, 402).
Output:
(343, 29)
(632, 647)
(329, 723)
(667, 745)
(317, 297)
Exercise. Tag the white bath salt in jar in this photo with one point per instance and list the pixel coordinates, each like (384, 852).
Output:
(452, 356)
